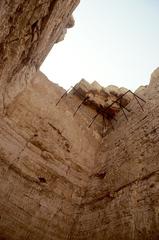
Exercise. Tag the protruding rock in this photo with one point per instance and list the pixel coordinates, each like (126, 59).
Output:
(96, 85)
(155, 73)
(70, 24)
(101, 98)
(140, 89)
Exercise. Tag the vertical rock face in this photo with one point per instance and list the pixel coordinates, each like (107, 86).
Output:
(28, 30)
(46, 158)
(122, 201)
(59, 179)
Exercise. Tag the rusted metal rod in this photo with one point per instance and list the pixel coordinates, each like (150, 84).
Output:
(63, 96)
(80, 105)
(138, 96)
(93, 119)
(121, 106)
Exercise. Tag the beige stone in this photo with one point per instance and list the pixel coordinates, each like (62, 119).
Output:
(59, 179)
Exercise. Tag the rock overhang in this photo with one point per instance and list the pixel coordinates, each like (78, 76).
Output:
(59, 179)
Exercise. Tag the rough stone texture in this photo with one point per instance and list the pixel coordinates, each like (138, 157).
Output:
(70, 24)
(122, 198)
(28, 30)
(46, 159)
(99, 97)
(59, 179)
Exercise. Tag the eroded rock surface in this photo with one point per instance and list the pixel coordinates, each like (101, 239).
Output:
(97, 96)
(122, 201)
(28, 30)
(46, 159)
(59, 179)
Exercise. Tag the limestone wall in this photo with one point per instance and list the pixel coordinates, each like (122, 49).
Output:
(28, 30)
(124, 204)
(46, 157)
(60, 179)
(51, 164)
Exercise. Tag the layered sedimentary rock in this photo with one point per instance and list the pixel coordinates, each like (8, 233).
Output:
(28, 30)
(97, 96)
(46, 159)
(122, 199)
(60, 179)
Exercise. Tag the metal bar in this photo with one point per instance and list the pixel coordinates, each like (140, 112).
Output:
(128, 110)
(107, 108)
(93, 119)
(67, 92)
(139, 103)
(63, 96)
(78, 92)
(124, 107)
(116, 100)
(80, 106)
(123, 112)
(138, 96)
(123, 96)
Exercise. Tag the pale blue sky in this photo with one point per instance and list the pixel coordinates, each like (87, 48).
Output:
(113, 42)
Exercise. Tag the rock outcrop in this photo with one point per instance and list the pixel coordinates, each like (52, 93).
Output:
(46, 160)
(97, 96)
(122, 199)
(59, 179)
(70, 24)
(28, 30)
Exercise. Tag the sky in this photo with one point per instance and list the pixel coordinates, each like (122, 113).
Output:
(113, 42)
